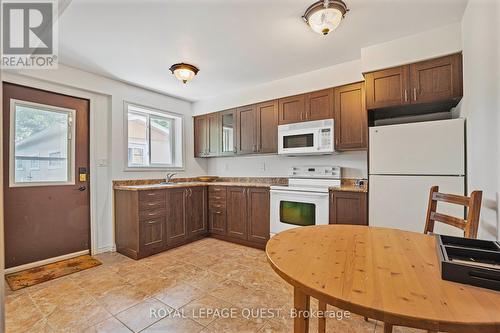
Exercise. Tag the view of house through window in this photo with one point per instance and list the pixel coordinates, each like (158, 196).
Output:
(42, 144)
(154, 138)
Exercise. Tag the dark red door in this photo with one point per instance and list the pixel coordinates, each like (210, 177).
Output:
(46, 164)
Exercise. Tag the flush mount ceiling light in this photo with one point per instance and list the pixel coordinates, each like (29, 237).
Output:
(184, 72)
(324, 16)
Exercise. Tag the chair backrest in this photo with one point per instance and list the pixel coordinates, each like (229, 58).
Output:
(468, 225)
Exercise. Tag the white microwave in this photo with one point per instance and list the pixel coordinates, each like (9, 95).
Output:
(306, 138)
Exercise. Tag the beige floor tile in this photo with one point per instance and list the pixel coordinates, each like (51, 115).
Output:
(21, 313)
(121, 298)
(110, 325)
(397, 329)
(230, 270)
(238, 324)
(205, 280)
(154, 284)
(179, 295)
(174, 325)
(206, 309)
(77, 317)
(230, 291)
(143, 315)
(111, 258)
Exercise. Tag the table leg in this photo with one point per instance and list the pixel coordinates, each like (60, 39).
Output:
(301, 305)
(322, 319)
(387, 328)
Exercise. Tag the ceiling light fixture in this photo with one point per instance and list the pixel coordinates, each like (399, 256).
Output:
(325, 16)
(184, 72)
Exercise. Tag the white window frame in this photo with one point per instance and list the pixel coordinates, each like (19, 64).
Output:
(71, 144)
(151, 112)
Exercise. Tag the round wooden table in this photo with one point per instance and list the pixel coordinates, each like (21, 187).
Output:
(385, 274)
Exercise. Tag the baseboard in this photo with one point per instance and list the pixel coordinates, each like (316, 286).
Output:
(110, 248)
(44, 262)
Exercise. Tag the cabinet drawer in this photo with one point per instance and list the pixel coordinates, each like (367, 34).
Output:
(217, 190)
(151, 195)
(152, 214)
(217, 206)
(151, 205)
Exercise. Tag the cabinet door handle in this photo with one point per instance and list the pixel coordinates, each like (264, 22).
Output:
(406, 95)
(302, 116)
(218, 212)
(414, 94)
(151, 222)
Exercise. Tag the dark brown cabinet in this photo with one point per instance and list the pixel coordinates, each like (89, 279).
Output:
(245, 128)
(430, 81)
(148, 222)
(176, 216)
(436, 79)
(351, 119)
(247, 215)
(217, 210)
(257, 128)
(316, 105)
(348, 208)
(267, 127)
(227, 132)
(206, 135)
(258, 215)
(237, 212)
(292, 109)
(196, 211)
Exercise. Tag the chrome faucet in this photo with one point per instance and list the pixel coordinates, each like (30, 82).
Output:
(169, 177)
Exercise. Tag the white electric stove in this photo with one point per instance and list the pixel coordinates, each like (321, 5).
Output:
(305, 201)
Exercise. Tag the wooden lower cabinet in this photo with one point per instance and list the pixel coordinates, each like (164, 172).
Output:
(149, 222)
(348, 208)
(237, 212)
(244, 217)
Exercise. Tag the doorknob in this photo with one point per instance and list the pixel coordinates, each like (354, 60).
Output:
(82, 188)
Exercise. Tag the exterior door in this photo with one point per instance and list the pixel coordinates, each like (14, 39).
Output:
(46, 164)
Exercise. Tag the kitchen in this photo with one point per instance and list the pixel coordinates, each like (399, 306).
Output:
(356, 140)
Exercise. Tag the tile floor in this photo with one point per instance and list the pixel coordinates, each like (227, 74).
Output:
(180, 286)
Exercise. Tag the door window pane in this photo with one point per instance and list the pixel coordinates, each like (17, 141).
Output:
(42, 144)
(297, 213)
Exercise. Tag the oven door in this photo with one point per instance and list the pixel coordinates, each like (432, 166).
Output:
(290, 209)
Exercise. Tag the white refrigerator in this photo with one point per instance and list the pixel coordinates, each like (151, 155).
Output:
(405, 161)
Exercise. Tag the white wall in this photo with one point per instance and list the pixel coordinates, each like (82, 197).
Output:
(353, 164)
(481, 106)
(425, 45)
(107, 125)
(337, 75)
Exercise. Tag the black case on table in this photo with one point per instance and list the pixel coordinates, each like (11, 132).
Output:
(469, 250)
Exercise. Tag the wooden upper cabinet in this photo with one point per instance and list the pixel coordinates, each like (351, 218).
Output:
(267, 127)
(351, 119)
(227, 132)
(200, 136)
(436, 79)
(319, 105)
(292, 109)
(429, 81)
(213, 135)
(206, 135)
(388, 87)
(246, 128)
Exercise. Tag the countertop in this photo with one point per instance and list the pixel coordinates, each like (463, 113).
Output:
(347, 185)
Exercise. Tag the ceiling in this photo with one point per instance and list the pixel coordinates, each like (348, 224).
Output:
(235, 43)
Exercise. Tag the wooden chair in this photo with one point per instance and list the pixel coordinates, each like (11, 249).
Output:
(468, 225)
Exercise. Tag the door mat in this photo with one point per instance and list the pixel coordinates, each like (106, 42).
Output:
(36, 275)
